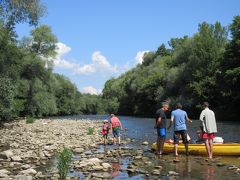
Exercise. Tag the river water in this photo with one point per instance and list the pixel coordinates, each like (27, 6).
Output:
(192, 167)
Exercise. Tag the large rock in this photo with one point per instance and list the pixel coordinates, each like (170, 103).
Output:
(4, 173)
(106, 166)
(16, 158)
(28, 172)
(97, 168)
(6, 154)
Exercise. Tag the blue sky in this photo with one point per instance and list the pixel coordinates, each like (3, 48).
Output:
(100, 39)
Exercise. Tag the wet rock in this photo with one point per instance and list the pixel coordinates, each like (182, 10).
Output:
(158, 167)
(129, 170)
(88, 152)
(145, 143)
(138, 157)
(156, 172)
(220, 164)
(172, 173)
(141, 171)
(106, 166)
(78, 150)
(233, 167)
(23, 177)
(102, 175)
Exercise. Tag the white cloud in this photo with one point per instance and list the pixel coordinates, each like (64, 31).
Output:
(85, 69)
(91, 90)
(99, 63)
(62, 49)
(139, 56)
(99, 59)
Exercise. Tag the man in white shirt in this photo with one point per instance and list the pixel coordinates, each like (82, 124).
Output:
(207, 117)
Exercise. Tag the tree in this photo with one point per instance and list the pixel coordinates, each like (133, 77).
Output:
(202, 67)
(43, 42)
(18, 11)
(229, 73)
(6, 98)
(148, 58)
(162, 51)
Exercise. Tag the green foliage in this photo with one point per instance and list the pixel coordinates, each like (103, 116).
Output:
(6, 98)
(190, 72)
(30, 120)
(64, 159)
(90, 131)
(203, 67)
(43, 41)
(18, 11)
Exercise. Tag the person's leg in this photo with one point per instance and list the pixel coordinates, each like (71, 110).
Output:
(176, 141)
(114, 137)
(162, 140)
(118, 137)
(176, 149)
(158, 141)
(185, 140)
(211, 148)
(158, 145)
(208, 148)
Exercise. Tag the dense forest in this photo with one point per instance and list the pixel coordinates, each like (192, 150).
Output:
(28, 86)
(204, 67)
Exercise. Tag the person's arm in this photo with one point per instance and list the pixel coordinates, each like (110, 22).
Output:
(110, 126)
(202, 116)
(159, 120)
(189, 120)
(120, 125)
(171, 122)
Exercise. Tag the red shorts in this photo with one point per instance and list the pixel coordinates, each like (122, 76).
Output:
(208, 136)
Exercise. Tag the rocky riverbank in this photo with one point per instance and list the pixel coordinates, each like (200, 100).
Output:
(25, 149)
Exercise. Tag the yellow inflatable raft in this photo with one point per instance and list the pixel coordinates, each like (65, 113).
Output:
(199, 149)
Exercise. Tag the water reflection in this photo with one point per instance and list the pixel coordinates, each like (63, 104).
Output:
(116, 169)
(209, 172)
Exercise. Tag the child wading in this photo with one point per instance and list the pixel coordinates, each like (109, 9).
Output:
(105, 129)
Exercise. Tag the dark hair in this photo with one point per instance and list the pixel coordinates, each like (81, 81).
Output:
(179, 106)
(205, 104)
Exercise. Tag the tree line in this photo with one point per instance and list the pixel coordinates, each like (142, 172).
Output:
(28, 86)
(204, 67)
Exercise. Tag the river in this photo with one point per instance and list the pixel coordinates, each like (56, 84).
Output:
(192, 167)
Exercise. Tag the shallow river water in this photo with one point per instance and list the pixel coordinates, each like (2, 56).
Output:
(191, 167)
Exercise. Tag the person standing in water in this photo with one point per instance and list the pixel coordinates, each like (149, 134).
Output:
(116, 126)
(207, 118)
(178, 118)
(105, 129)
(160, 125)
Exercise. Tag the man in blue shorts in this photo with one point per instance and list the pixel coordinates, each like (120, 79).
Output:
(160, 125)
(178, 118)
